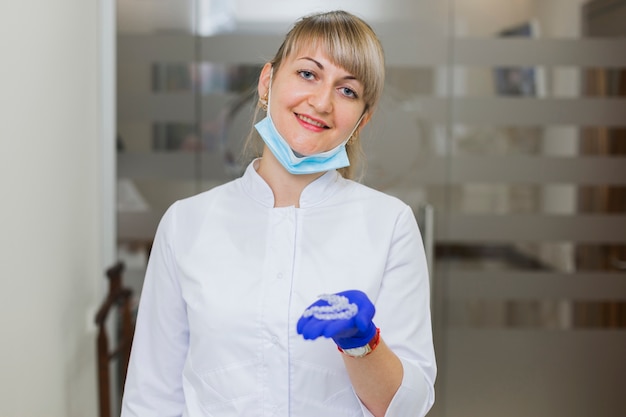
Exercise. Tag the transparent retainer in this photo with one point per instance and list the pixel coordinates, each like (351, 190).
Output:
(338, 308)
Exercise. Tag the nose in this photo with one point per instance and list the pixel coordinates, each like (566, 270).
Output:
(322, 99)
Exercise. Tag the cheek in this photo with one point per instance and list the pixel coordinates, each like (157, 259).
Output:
(349, 120)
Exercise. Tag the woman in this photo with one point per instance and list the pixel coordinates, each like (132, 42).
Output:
(261, 295)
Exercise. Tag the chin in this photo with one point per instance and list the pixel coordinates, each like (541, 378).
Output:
(300, 151)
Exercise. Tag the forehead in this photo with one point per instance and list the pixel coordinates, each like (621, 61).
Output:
(319, 54)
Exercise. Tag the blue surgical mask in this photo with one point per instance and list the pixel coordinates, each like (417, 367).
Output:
(310, 164)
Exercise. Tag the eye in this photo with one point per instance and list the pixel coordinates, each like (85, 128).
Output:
(307, 75)
(348, 92)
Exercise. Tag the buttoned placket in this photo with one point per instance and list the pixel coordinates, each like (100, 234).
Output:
(278, 275)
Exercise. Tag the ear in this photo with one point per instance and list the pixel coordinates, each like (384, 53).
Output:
(264, 79)
(366, 119)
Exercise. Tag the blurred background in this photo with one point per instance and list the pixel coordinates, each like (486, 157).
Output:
(503, 124)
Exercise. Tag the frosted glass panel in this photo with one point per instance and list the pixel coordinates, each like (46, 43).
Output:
(530, 279)
(507, 118)
(536, 373)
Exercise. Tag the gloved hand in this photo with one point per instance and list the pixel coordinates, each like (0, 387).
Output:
(346, 317)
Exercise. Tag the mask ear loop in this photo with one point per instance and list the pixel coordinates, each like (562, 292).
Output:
(269, 92)
(356, 126)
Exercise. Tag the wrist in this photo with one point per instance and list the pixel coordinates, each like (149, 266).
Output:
(358, 339)
(363, 350)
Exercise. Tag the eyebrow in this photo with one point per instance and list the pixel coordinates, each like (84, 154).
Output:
(321, 66)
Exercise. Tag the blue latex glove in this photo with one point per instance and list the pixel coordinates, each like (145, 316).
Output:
(348, 321)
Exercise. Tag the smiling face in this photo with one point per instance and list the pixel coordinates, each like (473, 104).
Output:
(315, 104)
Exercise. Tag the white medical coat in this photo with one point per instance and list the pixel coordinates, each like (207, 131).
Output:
(228, 278)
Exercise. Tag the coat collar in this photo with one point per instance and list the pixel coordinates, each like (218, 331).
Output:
(313, 194)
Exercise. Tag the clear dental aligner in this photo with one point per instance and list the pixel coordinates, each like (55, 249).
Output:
(338, 308)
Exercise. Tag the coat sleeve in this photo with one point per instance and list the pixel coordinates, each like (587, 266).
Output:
(154, 381)
(403, 315)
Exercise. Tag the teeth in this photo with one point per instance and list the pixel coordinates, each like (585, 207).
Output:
(311, 121)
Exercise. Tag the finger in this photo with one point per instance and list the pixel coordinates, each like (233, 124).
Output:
(341, 328)
(364, 317)
(302, 322)
(313, 329)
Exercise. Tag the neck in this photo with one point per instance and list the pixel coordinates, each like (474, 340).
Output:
(286, 187)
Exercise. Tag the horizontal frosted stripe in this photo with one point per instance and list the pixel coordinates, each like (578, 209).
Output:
(142, 225)
(171, 166)
(518, 169)
(506, 284)
(184, 48)
(137, 227)
(582, 228)
(595, 53)
(237, 48)
(149, 48)
(537, 170)
(406, 51)
(431, 171)
(553, 314)
(533, 372)
(258, 49)
(502, 111)
(170, 107)
(608, 112)
(400, 50)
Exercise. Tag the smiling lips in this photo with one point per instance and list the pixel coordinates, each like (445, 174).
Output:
(312, 122)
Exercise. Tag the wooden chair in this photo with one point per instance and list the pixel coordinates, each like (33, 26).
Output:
(118, 301)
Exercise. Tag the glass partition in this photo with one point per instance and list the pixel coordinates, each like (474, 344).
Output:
(529, 248)
(505, 119)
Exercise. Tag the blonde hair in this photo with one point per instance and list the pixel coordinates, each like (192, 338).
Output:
(350, 44)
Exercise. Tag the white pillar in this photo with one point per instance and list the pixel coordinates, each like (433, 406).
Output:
(51, 212)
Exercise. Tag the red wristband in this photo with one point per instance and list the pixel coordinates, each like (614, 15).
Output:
(362, 351)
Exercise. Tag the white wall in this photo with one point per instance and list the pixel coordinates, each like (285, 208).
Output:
(51, 250)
